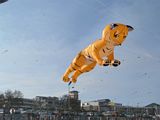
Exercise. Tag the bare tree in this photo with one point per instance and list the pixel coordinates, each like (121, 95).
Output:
(13, 98)
(1, 100)
(8, 94)
(17, 94)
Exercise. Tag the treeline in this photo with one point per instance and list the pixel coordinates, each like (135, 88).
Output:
(9, 98)
(11, 94)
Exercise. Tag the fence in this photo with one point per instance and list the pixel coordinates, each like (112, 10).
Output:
(67, 117)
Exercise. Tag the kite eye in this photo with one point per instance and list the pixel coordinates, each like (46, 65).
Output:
(124, 37)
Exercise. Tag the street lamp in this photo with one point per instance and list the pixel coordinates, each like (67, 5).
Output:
(4, 111)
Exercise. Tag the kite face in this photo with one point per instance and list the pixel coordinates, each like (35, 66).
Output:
(99, 52)
(116, 32)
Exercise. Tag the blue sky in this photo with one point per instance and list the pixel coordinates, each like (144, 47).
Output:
(39, 39)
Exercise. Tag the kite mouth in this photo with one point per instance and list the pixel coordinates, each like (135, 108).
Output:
(117, 44)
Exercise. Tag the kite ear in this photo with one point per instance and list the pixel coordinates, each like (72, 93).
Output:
(113, 25)
(130, 28)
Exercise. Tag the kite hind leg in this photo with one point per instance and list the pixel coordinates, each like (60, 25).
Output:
(77, 63)
(83, 69)
(66, 74)
(73, 67)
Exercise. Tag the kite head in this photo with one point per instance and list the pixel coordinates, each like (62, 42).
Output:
(116, 33)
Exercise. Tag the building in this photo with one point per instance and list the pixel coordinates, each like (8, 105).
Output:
(73, 95)
(70, 102)
(27, 103)
(153, 109)
(47, 103)
(98, 105)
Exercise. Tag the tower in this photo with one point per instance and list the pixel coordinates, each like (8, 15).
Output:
(73, 95)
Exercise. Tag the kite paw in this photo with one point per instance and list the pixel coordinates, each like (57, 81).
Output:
(116, 63)
(74, 80)
(66, 79)
(106, 62)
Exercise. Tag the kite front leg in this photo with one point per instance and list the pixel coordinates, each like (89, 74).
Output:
(113, 61)
(99, 60)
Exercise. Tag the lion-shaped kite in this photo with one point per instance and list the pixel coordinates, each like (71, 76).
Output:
(101, 51)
